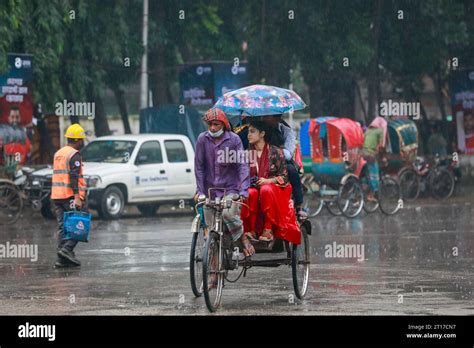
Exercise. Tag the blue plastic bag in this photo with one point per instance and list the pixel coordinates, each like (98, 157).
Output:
(77, 225)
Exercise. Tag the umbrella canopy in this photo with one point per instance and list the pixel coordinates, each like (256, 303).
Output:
(260, 100)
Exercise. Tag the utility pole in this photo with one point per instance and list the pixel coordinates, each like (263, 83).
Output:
(144, 67)
(290, 87)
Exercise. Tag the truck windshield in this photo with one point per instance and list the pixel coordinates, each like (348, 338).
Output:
(108, 151)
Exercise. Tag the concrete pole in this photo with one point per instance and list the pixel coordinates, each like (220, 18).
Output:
(144, 67)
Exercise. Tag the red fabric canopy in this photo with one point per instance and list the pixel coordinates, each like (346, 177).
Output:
(351, 131)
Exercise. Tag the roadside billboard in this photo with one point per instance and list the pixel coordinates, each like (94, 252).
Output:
(201, 84)
(462, 86)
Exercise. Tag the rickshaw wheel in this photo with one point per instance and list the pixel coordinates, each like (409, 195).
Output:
(212, 271)
(409, 185)
(195, 262)
(300, 261)
(441, 183)
(313, 202)
(11, 203)
(350, 198)
(369, 206)
(333, 208)
(389, 196)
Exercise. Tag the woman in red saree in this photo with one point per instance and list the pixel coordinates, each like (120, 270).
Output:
(271, 213)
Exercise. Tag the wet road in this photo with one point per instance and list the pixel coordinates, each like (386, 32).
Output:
(417, 262)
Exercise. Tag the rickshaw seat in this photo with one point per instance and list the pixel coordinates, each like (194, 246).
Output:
(275, 246)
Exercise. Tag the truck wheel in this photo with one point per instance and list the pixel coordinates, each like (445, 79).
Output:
(112, 204)
(148, 209)
(47, 210)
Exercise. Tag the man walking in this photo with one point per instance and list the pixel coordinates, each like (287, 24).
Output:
(68, 190)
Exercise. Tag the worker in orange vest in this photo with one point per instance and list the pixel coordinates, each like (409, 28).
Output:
(68, 190)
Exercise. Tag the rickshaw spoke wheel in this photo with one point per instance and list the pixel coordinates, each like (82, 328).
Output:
(409, 185)
(369, 206)
(300, 265)
(11, 204)
(195, 262)
(350, 198)
(442, 183)
(389, 196)
(213, 276)
(333, 208)
(312, 200)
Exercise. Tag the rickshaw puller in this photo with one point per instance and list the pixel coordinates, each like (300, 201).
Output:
(210, 172)
(374, 141)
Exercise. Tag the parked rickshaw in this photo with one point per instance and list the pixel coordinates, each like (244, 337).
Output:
(336, 166)
(401, 155)
(340, 178)
(415, 174)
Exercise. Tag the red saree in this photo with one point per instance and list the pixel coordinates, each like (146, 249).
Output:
(271, 206)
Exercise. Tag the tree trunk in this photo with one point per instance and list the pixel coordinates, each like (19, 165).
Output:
(373, 79)
(122, 104)
(361, 101)
(425, 125)
(160, 85)
(315, 99)
(101, 125)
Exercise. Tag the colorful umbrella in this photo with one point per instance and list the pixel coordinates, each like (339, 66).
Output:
(260, 100)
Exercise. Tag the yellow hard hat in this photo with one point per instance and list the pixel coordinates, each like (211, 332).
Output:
(75, 131)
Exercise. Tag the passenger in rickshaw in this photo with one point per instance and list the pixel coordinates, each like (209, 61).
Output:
(270, 213)
(374, 143)
(284, 137)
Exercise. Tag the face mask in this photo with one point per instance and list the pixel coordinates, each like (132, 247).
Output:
(217, 134)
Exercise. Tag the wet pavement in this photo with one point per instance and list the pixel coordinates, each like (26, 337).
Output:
(417, 262)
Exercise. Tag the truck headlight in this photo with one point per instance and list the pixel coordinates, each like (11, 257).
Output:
(93, 181)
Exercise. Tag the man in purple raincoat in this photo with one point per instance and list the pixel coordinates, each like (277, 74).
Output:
(219, 163)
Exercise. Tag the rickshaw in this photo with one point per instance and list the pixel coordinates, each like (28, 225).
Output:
(416, 174)
(14, 147)
(215, 258)
(336, 165)
(340, 175)
(401, 155)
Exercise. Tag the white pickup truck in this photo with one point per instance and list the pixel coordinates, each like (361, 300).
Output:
(145, 170)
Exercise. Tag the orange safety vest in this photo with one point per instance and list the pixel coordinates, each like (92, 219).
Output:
(61, 185)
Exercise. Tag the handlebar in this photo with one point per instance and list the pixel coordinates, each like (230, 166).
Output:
(218, 202)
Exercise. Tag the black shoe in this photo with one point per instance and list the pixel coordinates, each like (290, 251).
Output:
(69, 256)
(62, 264)
(301, 214)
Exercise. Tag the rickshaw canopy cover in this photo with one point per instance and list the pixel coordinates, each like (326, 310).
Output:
(350, 129)
(403, 135)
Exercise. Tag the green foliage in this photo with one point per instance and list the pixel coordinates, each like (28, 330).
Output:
(73, 54)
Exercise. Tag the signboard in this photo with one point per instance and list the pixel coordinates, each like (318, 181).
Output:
(228, 77)
(462, 86)
(16, 89)
(197, 85)
(203, 84)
